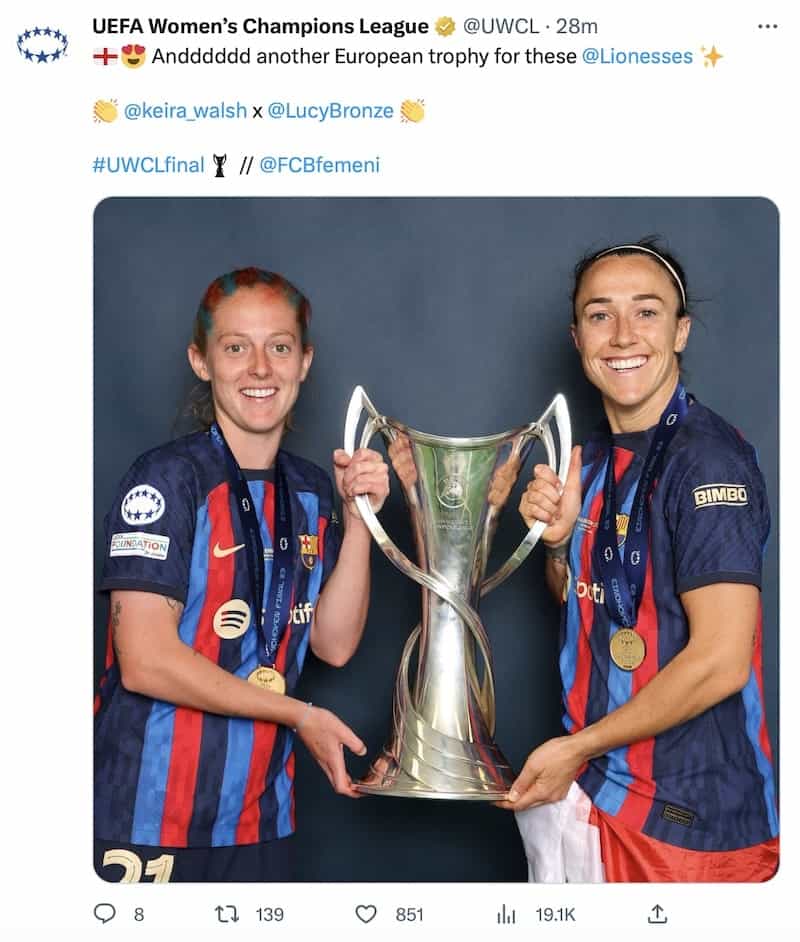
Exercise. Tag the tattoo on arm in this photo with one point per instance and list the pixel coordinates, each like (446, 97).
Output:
(116, 618)
(116, 613)
(175, 607)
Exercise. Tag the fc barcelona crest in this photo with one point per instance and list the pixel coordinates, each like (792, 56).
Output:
(308, 549)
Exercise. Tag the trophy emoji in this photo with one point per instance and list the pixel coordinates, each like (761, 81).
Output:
(219, 160)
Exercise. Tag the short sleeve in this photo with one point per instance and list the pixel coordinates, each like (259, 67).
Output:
(719, 516)
(332, 540)
(150, 528)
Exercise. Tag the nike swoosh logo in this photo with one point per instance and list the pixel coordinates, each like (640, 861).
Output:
(220, 553)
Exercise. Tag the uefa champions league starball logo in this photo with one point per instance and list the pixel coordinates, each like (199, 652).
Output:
(451, 492)
(142, 504)
(42, 44)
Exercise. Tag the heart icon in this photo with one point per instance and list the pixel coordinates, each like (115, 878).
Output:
(366, 913)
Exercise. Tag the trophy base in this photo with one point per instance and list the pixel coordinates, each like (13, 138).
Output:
(390, 778)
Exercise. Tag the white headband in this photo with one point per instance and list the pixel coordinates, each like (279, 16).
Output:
(664, 262)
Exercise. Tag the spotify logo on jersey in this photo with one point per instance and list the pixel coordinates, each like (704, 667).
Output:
(232, 619)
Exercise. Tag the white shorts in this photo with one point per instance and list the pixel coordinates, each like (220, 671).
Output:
(560, 843)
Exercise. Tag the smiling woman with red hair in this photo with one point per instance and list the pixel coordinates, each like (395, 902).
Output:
(224, 565)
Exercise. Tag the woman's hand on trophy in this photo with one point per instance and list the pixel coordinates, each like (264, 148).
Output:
(558, 505)
(366, 473)
(547, 774)
(325, 735)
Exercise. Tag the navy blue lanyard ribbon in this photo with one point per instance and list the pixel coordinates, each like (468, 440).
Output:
(623, 574)
(271, 620)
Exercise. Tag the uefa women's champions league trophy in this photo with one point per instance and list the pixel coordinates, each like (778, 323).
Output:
(442, 741)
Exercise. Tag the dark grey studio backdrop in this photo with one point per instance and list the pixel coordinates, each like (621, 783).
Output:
(453, 314)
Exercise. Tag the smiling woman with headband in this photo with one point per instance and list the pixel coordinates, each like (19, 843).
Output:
(224, 565)
(654, 546)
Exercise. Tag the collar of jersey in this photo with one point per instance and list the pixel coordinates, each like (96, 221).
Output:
(259, 474)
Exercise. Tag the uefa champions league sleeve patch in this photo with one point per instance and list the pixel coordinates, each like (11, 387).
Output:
(142, 505)
(149, 545)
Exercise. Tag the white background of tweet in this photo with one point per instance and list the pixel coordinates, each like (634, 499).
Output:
(523, 131)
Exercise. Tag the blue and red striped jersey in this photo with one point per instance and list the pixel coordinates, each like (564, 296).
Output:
(172, 776)
(706, 784)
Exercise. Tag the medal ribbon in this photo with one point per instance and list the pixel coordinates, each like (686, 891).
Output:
(272, 619)
(623, 572)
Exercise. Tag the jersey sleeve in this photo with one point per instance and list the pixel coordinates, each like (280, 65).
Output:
(720, 521)
(149, 531)
(333, 531)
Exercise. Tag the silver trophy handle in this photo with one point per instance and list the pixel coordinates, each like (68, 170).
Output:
(541, 429)
(360, 402)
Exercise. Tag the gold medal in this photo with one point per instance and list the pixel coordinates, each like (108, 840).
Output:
(627, 649)
(268, 679)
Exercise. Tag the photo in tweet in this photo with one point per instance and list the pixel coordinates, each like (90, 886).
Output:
(463, 318)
